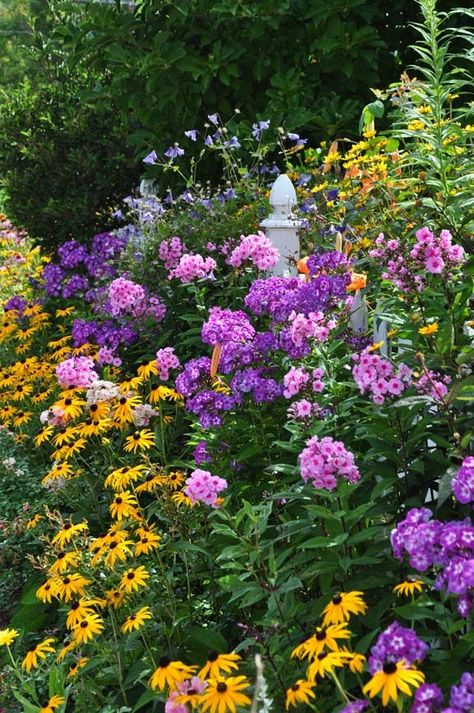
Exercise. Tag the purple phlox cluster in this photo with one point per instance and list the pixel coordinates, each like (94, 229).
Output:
(75, 284)
(166, 359)
(428, 699)
(462, 694)
(355, 707)
(171, 251)
(433, 384)
(396, 643)
(201, 454)
(375, 375)
(255, 382)
(76, 372)
(330, 262)
(193, 267)
(107, 334)
(448, 547)
(407, 268)
(234, 332)
(463, 482)
(17, 304)
(71, 254)
(324, 460)
(255, 248)
(273, 297)
(194, 382)
(202, 487)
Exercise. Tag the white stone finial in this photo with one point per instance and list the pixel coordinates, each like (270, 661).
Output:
(281, 226)
(282, 198)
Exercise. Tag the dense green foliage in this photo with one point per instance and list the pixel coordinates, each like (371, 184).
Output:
(64, 159)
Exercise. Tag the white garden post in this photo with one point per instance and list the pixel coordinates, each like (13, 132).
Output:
(281, 226)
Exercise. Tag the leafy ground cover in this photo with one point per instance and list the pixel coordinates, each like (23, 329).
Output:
(249, 491)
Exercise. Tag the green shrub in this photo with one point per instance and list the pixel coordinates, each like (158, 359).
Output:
(64, 160)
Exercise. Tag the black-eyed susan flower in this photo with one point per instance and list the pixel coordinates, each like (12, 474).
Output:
(147, 544)
(300, 692)
(140, 440)
(133, 579)
(88, 628)
(354, 660)
(22, 418)
(65, 435)
(35, 520)
(117, 551)
(324, 636)
(324, 663)
(66, 650)
(65, 561)
(181, 498)
(123, 505)
(218, 662)
(95, 427)
(174, 479)
(8, 636)
(53, 703)
(169, 673)
(151, 482)
(136, 620)
(408, 588)
(43, 435)
(71, 406)
(394, 677)
(147, 369)
(68, 532)
(130, 385)
(70, 586)
(99, 410)
(224, 695)
(115, 598)
(121, 478)
(79, 610)
(36, 652)
(76, 666)
(47, 591)
(123, 412)
(342, 605)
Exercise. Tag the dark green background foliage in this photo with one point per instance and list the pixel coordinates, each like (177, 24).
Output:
(64, 160)
(307, 64)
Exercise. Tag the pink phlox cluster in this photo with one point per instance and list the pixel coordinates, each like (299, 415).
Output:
(433, 384)
(170, 251)
(155, 308)
(106, 355)
(53, 416)
(171, 705)
(313, 326)
(407, 268)
(375, 375)
(125, 296)
(166, 359)
(436, 253)
(193, 267)
(202, 487)
(294, 380)
(317, 376)
(324, 460)
(76, 372)
(256, 248)
(303, 410)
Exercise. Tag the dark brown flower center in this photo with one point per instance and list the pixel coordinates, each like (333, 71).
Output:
(164, 662)
(84, 624)
(212, 656)
(123, 401)
(389, 667)
(131, 575)
(67, 402)
(295, 687)
(221, 687)
(320, 634)
(337, 599)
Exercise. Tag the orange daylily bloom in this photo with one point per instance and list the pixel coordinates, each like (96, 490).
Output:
(358, 281)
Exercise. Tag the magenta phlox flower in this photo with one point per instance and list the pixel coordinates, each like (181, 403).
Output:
(324, 460)
(255, 249)
(193, 267)
(166, 360)
(202, 487)
(463, 482)
(76, 372)
(377, 376)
